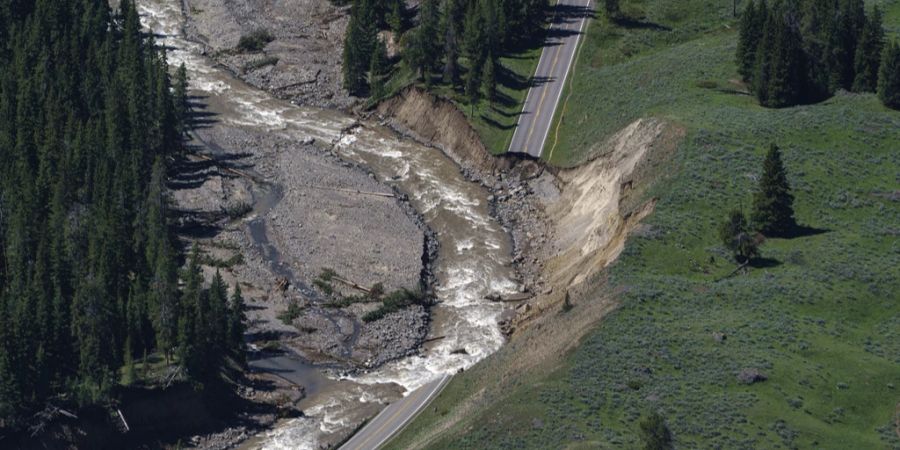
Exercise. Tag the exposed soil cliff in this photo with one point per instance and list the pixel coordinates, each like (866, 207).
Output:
(438, 122)
(599, 205)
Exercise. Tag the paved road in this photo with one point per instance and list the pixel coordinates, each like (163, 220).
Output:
(393, 418)
(569, 20)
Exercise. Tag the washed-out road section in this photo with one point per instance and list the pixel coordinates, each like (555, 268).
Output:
(567, 24)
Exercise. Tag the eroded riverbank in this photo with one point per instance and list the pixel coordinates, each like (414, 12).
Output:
(474, 262)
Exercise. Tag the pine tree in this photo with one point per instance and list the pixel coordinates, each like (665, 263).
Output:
(217, 324)
(489, 80)
(843, 43)
(236, 318)
(354, 54)
(749, 37)
(180, 99)
(193, 320)
(889, 77)
(379, 67)
(773, 204)
(451, 23)
(781, 78)
(129, 376)
(868, 53)
(473, 87)
(429, 38)
(474, 39)
(395, 18)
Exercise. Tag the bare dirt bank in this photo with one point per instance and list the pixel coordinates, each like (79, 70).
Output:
(438, 122)
(599, 205)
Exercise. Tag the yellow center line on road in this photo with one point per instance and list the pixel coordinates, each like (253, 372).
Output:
(362, 445)
(537, 112)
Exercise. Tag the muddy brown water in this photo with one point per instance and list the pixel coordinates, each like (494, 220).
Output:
(474, 259)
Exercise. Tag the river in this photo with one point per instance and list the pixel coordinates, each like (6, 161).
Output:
(474, 259)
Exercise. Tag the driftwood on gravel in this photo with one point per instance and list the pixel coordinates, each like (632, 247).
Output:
(314, 80)
(522, 296)
(350, 191)
(352, 284)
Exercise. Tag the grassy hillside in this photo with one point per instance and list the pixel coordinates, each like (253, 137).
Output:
(821, 320)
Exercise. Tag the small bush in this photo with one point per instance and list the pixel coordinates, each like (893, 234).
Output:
(323, 281)
(260, 63)
(235, 259)
(292, 312)
(395, 301)
(656, 433)
(238, 210)
(377, 291)
(324, 286)
(344, 302)
(255, 41)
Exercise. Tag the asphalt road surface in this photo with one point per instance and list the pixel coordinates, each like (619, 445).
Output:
(569, 20)
(393, 418)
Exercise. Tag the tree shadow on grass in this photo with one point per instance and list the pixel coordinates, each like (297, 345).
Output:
(503, 100)
(799, 231)
(628, 22)
(495, 124)
(511, 80)
(764, 263)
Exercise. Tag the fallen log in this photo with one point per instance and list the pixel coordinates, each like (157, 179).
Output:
(521, 296)
(733, 272)
(122, 417)
(352, 284)
(350, 191)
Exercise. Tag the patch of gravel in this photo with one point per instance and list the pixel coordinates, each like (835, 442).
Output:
(393, 336)
(311, 210)
(309, 36)
(518, 202)
(339, 335)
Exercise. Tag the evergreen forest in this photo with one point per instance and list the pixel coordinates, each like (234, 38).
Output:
(90, 124)
(799, 52)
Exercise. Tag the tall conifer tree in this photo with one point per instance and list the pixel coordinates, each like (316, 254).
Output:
(889, 77)
(773, 203)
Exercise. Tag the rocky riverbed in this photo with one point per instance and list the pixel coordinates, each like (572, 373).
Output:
(302, 62)
(278, 213)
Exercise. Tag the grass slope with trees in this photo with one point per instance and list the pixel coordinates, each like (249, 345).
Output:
(480, 54)
(800, 350)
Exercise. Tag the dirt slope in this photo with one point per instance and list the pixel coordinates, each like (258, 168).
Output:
(431, 119)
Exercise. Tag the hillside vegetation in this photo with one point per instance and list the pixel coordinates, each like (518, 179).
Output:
(801, 351)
